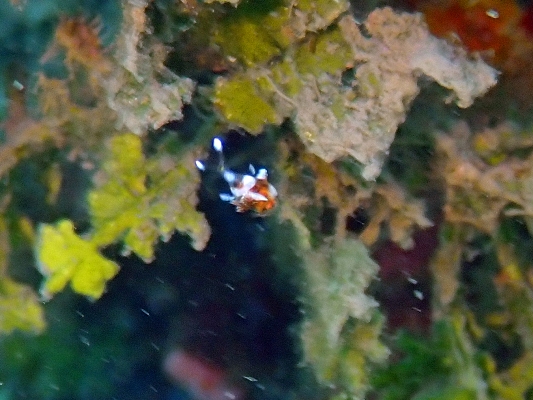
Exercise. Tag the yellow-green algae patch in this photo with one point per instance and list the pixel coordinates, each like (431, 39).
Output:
(65, 257)
(240, 103)
(324, 53)
(19, 308)
(358, 118)
(19, 305)
(253, 38)
(136, 201)
(322, 13)
(124, 206)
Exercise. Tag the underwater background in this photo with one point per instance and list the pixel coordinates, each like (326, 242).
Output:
(364, 231)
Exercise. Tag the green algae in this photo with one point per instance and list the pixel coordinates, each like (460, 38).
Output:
(123, 208)
(241, 103)
(323, 11)
(283, 59)
(444, 366)
(64, 258)
(123, 203)
(341, 331)
(19, 308)
(327, 52)
(263, 96)
(253, 37)
(286, 78)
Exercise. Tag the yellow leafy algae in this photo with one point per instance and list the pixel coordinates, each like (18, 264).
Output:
(116, 204)
(19, 308)
(326, 53)
(136, 201)
(65, 257)
(241, 103)
(124, 207)
(247, 40)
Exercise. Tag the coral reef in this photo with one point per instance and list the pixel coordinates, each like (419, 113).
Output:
(400, 205)
(478, 191)
(402, 216)
(359, 119)
(139, 88)
(341, 320)
(480, 267)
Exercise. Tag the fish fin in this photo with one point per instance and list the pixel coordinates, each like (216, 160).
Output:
(272, 190)
(217, 145)
(256, 196)
(200, 165)
(262, 174)
(247, 182)
(229, 176)
(226, 197)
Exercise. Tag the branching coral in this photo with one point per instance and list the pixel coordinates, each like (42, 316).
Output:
(22, 134)
(123, 87)
(130, 75)
(312, 183)
(82, 44)
(517, 297)
(341, 326)
(487, 180)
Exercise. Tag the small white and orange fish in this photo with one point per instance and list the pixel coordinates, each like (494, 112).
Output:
(248, 192)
